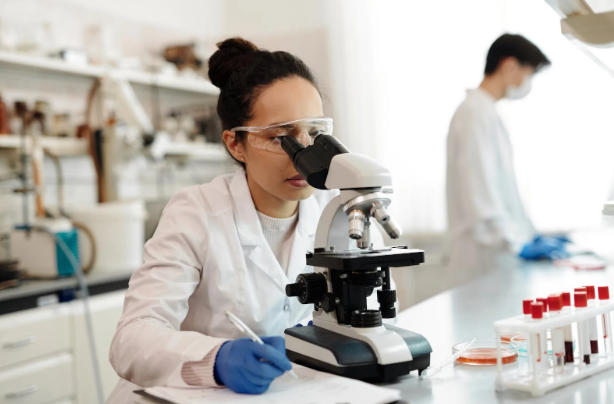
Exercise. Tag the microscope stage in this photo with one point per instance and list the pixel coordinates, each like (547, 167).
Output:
(356, 260)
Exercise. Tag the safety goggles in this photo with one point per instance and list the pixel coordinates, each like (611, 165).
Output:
(269, 137)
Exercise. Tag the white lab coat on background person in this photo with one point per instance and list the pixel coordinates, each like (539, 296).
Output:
(487, 222)
(208, 255)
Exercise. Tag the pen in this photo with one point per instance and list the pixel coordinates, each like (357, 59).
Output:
(245, 330)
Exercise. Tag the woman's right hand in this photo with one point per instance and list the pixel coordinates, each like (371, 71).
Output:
(245, 366)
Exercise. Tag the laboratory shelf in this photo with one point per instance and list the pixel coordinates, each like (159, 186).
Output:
(41, 64)
(178, 83)
(197, 151)
(61, 146)
(49, 65)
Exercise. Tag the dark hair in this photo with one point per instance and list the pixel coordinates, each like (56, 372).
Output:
(517, 46)
(241, 71)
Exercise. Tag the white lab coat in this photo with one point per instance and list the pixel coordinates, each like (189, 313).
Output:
(208, 255)
(487, 222)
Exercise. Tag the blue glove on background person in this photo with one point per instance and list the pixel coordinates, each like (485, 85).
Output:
(545, 247)
(309, 323)
(244, 366)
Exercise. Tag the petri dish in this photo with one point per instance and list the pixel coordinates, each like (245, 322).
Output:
(483, 353)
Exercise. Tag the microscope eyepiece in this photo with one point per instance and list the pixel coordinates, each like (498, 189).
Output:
(313, 162)
(291, 146)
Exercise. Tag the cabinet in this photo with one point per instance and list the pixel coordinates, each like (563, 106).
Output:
(45, 355)
(106, 309)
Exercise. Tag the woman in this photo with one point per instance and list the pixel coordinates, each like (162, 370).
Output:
(232, 244)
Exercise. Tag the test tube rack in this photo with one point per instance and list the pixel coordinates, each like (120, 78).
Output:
(540, 381)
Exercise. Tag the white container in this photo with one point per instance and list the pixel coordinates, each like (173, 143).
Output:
(11, 211)
(39, 254)
(119, 234)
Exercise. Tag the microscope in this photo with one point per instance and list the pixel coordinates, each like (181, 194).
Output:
(346, 338)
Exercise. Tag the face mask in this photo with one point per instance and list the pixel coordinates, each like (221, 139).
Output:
(516, 93)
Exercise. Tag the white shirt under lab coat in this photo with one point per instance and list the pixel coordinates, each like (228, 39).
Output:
(487, 222)
(208, 255)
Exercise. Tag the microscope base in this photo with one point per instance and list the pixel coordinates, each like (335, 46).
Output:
(324, 350)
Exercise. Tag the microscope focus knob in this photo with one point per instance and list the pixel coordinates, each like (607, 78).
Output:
(309, 288)
(366, 318)
(386, 299)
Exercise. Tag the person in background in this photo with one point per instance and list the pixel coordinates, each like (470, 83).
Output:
(487, 222)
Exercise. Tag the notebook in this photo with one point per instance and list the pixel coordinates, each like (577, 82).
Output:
(312, 387)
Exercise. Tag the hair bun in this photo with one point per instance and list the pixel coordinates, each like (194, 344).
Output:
(231, 54)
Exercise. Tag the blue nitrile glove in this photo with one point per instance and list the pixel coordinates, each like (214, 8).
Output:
(245, 366)
(543, 247)
(309, 323)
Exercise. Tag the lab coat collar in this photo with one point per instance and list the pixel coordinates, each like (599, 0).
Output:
(308, 216)
(248, 225)
(250, 231)
(482, 94)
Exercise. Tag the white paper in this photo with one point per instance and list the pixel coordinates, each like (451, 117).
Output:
(312, 387)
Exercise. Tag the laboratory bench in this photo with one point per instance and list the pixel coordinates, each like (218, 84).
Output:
(35, 293)
(468, 312)
(44, 345)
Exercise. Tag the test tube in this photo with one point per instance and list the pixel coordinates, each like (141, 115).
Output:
(526, 308)
(544, 301)
(604, 298)
(593, 335)
(537, 340)
(555, 303)
(567, 333)
(580, 300)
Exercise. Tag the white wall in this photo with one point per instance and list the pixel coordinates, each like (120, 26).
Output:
(299, 27)
(563, 132)
(196, 18)
(406, 70)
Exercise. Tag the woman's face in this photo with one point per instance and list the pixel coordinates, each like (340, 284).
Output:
(286, 100)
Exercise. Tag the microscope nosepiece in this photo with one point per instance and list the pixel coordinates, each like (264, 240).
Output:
(392, 229)
(356, 220)
(379, 212)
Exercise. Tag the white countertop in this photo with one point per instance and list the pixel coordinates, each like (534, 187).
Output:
(468, 312)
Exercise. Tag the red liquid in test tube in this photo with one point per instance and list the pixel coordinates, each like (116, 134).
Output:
(581, 302)
(604, 298)
(537, 341)
(568, 335)
(555, 303)
(593, 335)
(544, 301)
